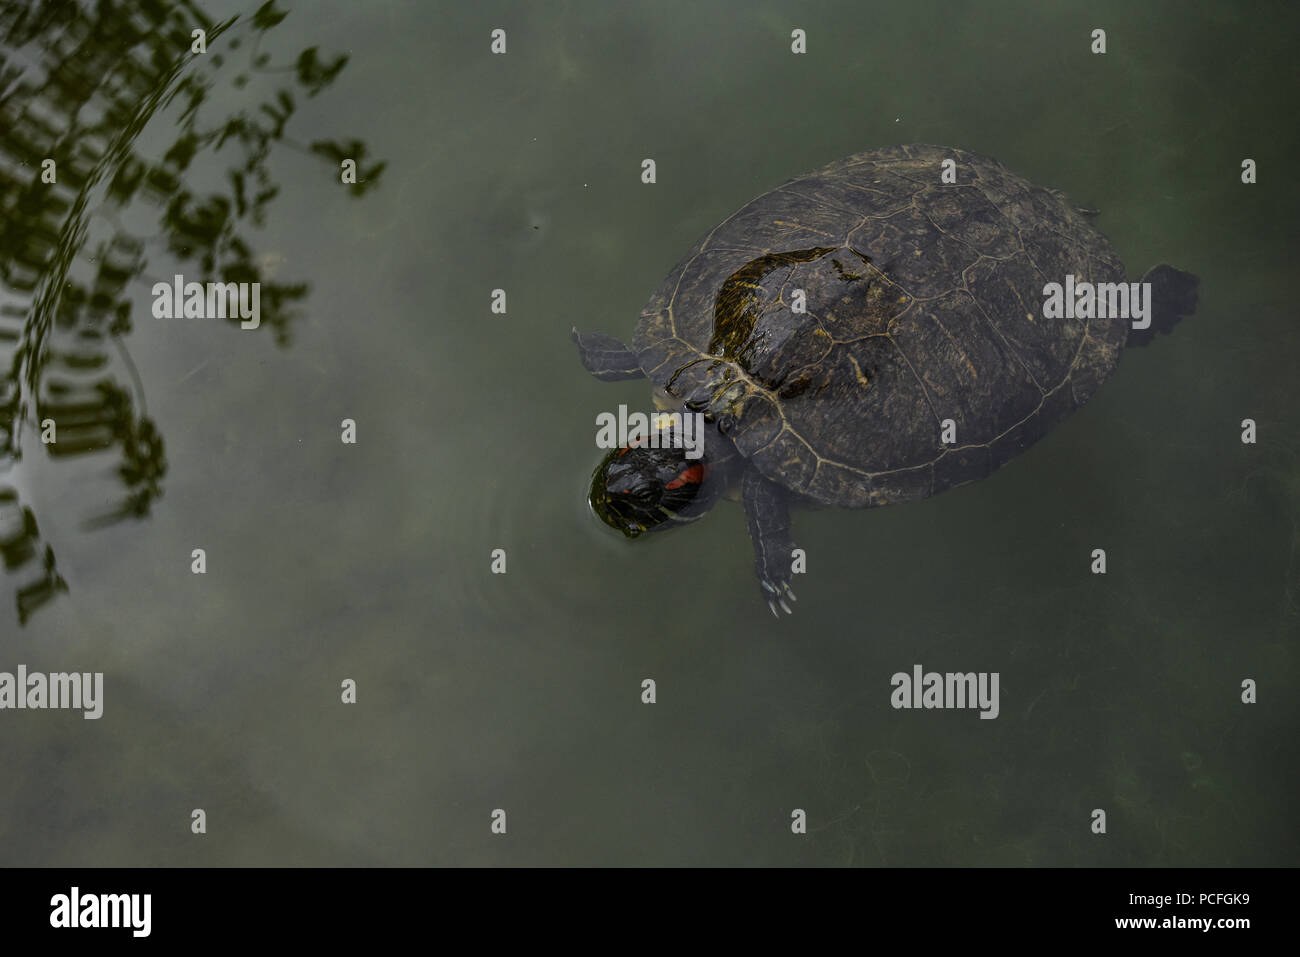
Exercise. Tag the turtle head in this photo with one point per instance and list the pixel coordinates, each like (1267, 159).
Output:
(642, 487)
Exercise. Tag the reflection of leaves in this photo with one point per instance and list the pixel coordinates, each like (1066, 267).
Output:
(267, 16)
(143, 463)
(314, 75)
(121, 324)
(126, 180)
(102, 74)
(280, 116)
(20, 546)
(367, 177)
(37, 593)
(276, 298)
(182, 151)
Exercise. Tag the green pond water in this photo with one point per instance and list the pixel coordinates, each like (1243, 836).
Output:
(371, 561)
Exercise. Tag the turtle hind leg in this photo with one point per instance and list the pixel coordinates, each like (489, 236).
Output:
(767, 513)
(605, 357)
(1173, 298)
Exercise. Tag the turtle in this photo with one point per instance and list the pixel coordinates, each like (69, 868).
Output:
(872, 332)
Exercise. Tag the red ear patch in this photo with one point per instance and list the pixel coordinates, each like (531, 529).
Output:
(692, 475)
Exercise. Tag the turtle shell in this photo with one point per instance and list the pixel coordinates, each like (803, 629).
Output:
(864, 304)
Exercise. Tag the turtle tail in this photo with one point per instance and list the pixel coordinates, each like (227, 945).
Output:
(1173, 297)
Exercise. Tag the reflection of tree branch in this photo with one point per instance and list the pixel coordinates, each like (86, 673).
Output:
(73, 96)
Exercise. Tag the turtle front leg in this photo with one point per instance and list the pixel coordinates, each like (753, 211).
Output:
(767, 512)
(605, 357)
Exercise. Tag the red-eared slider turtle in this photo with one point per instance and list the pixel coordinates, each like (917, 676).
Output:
(867, 334)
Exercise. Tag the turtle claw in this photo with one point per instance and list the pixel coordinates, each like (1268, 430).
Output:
(776, 596)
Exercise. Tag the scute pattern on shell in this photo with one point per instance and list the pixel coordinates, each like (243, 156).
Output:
(929, 308)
